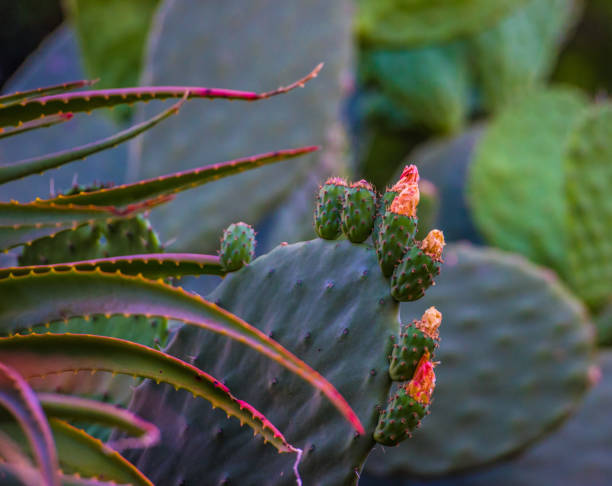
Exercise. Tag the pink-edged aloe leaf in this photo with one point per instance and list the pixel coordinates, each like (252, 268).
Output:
(44, 122)
(37, 165)
(17, 397)
(37, 299)
(179, 181)
(30, 109)
(43, 354)
(79, 453)
(67, 407)
(24, 475)
(19, 96)
(151, 265)
(21, 223)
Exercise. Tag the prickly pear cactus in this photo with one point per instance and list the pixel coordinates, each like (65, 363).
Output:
(237, 246)
(327, 301)
(516, 346)
(430, 85)
(574, 455)
(218, 44)
(516, 181)
(588, 182)
(401, 22)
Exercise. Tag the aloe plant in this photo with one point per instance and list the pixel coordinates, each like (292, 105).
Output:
(39, 297)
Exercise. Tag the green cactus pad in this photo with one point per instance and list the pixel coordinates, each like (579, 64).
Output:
(112, 36)
(395, 235)
(516, 349)
(404, 23)
(328, 210)
(507, 69)
(237, 246)
(577, 454)
(515, 184)
(396, 422)
(413, 275)
(219, 44)
(408, 350)
(358, 211)
(588, 164)
(327, 302)
(430, 85)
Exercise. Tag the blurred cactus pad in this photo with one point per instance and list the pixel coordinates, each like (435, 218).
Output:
(218, 44)
(517, 347)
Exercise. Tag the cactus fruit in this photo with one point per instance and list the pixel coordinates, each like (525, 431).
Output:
(416, 271)
(328, 210)
(416, 340)
(518, 350)
(358, 211)
(407, 406)
(237, 246)
(399, 223)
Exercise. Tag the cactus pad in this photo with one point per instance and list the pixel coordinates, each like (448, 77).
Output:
(237, 246)
(516, 180)
(358, 211)
(516, 348)
(575, 455)
(218, 44)
(327, 302)
(588, 164)
(403, 23)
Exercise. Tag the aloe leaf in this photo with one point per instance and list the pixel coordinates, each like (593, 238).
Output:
(79, 453)
(179, 181)
(37, 165)
(19, 96)
(24, 475)
(67, 407)
(37, 299)
(30, 109)
(17, 397)
(21, 223)
(152, 265)
(43, 354)
(44, 122)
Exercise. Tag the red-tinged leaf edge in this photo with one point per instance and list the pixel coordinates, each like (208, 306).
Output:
(17, 397)
(176, 182)
(32, 108)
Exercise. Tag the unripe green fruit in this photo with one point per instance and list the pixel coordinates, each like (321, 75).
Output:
(328, 210)
(358, 211)
(414, 274)
(237, 246)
